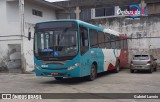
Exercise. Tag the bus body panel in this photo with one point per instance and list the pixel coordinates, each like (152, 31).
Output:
(43, 69)
(106, 60)
(110, 58)
(123, 58)
(92, 56)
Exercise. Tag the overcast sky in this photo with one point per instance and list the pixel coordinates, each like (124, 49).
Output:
(55, 0)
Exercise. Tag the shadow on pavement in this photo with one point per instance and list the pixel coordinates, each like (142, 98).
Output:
(145, 71)
(72, 81)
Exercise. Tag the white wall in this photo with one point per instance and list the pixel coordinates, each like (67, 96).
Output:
(2, 16)
(48, 12)
(30, 20)
(10, 25)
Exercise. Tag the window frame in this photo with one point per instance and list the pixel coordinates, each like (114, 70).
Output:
(107, 40)
(96, 45)
(84, 28)
(101, 43)
(37, 13)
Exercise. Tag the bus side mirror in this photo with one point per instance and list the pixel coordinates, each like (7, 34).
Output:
(29, 35)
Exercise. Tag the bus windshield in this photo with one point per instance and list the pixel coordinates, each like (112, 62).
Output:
(57, 42)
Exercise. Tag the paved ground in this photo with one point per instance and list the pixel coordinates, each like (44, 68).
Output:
(122, 82)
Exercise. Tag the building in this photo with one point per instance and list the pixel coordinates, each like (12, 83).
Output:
(17, 18)
(143, 32)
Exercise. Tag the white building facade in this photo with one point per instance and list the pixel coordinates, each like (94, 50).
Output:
(17, 18)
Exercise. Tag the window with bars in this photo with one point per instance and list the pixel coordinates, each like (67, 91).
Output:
(101, 12)
(37, 13)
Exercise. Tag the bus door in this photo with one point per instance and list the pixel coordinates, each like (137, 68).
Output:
(84, 43)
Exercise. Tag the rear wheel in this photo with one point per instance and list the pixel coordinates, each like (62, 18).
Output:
(117, 67)
(131, 70)
(58, 78)
(93, 73)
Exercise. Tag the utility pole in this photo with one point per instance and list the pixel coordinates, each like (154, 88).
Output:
(77, 12)
(21, 14)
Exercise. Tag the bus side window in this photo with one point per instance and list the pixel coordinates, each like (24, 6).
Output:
(101, 39)
(93, 38)
(84, 40)
(113, 42)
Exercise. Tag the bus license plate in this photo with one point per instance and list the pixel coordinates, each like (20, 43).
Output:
(54, 74)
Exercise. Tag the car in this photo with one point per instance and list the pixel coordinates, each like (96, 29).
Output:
(143, 62)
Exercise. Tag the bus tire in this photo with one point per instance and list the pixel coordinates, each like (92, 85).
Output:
(117, 67)
(93, 73)
(58, 78)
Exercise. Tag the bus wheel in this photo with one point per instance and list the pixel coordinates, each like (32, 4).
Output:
(93, 73)
(117, 67)
(58, 78)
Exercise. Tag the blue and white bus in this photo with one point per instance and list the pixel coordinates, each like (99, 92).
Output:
(73, 48)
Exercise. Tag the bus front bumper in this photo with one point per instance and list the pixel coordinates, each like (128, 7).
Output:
(58, 73)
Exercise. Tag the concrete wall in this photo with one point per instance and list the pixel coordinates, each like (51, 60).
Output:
(9, 22)
(2, 19)
(9, 26)
(136, 28)
(154, 8)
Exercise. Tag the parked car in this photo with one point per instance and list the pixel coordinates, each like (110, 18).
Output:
(143, 62)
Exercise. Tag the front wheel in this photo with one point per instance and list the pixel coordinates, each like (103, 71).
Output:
(93, 73)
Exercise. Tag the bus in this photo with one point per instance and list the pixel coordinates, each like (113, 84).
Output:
(73, 48)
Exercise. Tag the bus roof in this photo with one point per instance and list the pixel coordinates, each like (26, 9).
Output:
(91, 26)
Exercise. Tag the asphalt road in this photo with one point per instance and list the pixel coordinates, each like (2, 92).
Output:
(122, 82)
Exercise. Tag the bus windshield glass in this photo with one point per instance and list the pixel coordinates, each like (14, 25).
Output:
(56, 40)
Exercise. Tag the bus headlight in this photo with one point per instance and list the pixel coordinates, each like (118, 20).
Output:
(73, 66)
(37, 67)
